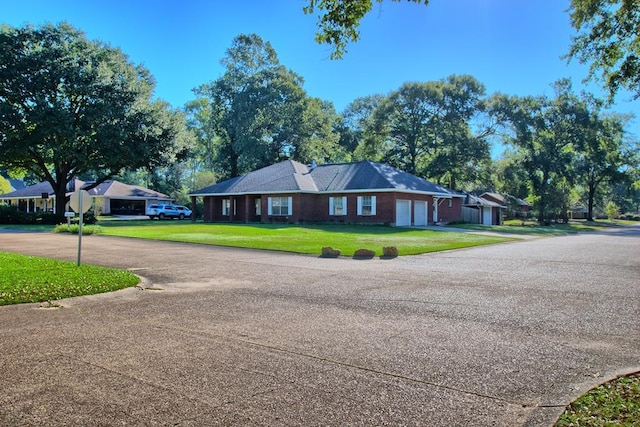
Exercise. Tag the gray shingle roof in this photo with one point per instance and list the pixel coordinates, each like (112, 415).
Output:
(291, 176)
(30, 191)
(113, 189)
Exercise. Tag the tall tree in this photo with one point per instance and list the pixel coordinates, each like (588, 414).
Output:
(257, 113)
(425, 129)
(69, 106)
(356, 117)
(603, 154)
(609, 39)
(459, 151)
(408, 120)
(545, 133)
(338, 21)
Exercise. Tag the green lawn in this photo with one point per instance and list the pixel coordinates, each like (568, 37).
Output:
(616, 403)
(533, 228)
(33, 279)
(300, 239)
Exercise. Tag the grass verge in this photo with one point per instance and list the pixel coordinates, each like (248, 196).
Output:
(533, 228)
(301, 239)
(616, 403)
(26, 279)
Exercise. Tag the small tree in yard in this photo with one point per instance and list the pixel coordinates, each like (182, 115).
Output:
(611, 210)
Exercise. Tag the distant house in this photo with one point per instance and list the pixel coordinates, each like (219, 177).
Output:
(515, 207)
(478, 210)
(110, 197)
(351, 193)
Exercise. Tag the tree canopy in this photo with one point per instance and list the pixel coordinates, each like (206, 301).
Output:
(609, 39)
(71, 106)
(338, 21)
(257, 113)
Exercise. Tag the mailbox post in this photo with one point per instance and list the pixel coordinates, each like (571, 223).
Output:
(80, 202)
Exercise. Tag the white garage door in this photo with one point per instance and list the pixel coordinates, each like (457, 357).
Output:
(403, 213)
(419, 213)
(486, 216)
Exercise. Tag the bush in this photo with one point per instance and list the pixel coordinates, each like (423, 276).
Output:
(11, 215)
(75, 228)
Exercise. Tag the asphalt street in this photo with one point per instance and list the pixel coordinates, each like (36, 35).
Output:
(500, 335)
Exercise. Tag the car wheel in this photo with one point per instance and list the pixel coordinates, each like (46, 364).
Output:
(181, 216)
(161, 216)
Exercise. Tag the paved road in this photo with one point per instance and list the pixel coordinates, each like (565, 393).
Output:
(499, 335)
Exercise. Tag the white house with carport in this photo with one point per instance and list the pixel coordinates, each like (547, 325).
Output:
(110, 197)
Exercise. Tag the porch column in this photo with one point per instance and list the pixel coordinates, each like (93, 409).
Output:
(436, 201)
(193, 209)
(247, 210)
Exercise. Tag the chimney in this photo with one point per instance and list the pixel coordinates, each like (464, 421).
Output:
(313, 165)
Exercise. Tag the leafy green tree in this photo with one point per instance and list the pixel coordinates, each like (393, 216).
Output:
(603, 155)
(408, 122)
(5, 185)
(356, 117)
(611, 210)
(69, 106)
(609, 39)
(544, 134)
(510, 176)
(425, 129)
(338, 21)
(257, 113)
(460, 151)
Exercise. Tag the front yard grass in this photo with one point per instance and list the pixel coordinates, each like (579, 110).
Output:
(26, 279)
(306, 239)
(533, 228)
(616, 403)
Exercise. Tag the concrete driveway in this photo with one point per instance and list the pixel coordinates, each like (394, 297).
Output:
(500, 335)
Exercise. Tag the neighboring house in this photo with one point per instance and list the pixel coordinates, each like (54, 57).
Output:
(514, 207)
(349, 193)
(478, 210)
(579, 213)
(110, 197)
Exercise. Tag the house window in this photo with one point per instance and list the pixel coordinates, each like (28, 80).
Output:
(226, 205)
(258, 203)
(450, 203)
(366, 205)
(337, 206)
(280, 206)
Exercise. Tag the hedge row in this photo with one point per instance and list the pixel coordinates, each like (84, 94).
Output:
(11, 215)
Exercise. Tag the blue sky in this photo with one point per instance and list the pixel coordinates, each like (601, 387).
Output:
(511, 46)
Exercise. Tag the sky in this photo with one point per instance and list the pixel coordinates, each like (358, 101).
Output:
(511, 46)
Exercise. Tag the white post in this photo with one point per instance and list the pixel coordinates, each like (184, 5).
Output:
(80, 228)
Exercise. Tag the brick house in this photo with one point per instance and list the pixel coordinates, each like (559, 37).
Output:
(346, 193)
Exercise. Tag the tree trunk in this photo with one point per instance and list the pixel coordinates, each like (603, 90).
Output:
(60, 190)
(592, 195)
